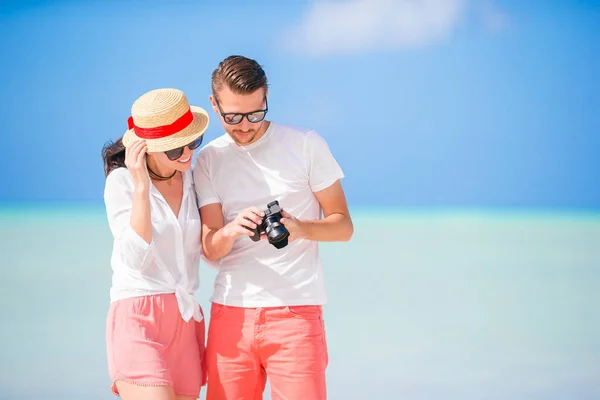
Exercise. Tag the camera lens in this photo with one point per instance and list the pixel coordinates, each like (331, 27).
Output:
(275, 230)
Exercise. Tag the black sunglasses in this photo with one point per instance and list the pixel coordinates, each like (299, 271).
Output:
(236, 118)
(175, 154)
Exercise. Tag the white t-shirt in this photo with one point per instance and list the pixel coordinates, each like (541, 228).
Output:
(286, 164)
(169, 263)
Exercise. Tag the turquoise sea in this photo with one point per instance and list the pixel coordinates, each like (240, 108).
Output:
(427, 304)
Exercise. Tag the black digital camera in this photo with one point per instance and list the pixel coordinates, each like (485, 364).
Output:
(276, 232)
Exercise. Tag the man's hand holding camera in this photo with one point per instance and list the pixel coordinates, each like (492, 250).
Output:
(244, 223)
(294, 226)
(274, 224)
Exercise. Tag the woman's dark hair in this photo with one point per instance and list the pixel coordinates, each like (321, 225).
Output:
(113, 155)
(242, 75)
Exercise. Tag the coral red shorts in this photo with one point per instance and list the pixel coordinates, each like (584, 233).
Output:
(285, 344)
(149, 344)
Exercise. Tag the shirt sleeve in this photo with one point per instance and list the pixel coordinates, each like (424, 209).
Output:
(205, 192)
(323, 169)
(118, 198)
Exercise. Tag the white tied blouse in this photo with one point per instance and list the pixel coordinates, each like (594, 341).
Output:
(170, 262)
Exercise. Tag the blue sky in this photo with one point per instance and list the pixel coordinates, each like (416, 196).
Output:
(444, 103)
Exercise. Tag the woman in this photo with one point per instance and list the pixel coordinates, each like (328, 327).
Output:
(155, 328)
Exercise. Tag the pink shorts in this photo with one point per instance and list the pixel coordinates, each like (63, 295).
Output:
(149, 344)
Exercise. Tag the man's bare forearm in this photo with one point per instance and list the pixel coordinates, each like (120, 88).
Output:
(334, 228)
(217, 245)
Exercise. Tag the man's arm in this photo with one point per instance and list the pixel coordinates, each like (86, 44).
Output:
(336, 226)
(218, 237)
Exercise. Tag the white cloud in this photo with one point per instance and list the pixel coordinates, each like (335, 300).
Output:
(358, 26)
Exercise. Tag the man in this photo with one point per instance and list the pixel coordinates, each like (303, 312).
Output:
(266, 316)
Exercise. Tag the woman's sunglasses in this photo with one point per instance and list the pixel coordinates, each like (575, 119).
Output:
(175, 154)
(236, 118)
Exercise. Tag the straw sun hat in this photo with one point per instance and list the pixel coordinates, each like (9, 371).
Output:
(165, 120)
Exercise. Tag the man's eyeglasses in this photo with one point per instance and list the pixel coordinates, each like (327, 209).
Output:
(236, 118)
(175, 154)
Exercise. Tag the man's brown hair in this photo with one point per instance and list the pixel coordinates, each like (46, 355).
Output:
(240, 74)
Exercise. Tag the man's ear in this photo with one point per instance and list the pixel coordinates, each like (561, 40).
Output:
(213, 103)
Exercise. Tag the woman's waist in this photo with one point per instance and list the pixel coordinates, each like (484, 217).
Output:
(145, 283)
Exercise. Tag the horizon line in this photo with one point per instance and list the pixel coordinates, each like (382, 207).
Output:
(76, 207)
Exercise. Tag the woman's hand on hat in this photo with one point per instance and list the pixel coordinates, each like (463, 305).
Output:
(135, 161)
